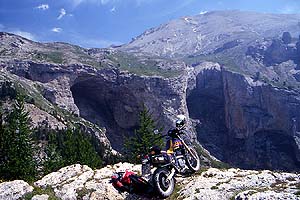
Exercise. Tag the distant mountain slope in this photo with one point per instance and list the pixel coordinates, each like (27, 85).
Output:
(236, 72)
(204, 33)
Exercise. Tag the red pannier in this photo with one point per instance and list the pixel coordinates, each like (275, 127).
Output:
(129, 182)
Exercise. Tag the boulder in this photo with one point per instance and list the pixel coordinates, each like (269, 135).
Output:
(14, 190)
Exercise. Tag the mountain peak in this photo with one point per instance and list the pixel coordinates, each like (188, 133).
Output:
(204, 33)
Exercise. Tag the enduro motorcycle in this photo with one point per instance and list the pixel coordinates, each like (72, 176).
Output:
(180, 158)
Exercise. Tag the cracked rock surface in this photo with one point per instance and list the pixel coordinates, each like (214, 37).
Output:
(241, 184)
(14, 190)
(81, 182)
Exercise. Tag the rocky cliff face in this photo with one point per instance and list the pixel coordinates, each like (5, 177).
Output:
(248, 106)
(265, 120)
(109, 98)
(236, 72)
(81, 182)
(245, 122)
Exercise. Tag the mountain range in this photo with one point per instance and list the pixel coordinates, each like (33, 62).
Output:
(234, 74)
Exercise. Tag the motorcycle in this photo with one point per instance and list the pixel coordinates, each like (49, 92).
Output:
(159, 168)
(180, 158)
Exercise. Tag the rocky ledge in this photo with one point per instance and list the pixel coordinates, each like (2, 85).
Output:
(81, 182)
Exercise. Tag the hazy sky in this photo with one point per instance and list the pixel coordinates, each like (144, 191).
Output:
(100, 23)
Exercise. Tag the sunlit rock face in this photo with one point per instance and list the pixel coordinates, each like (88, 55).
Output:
(81, 182)
(237, 73)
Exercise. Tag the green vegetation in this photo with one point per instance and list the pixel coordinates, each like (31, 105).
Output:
(136, 65)
(213, 163)
(66, 147)
(51, 56)
(175, 195)
(18, 143)
(143, 138)
(16, 159)
(39, 191)
(82, 192)
(228, 61)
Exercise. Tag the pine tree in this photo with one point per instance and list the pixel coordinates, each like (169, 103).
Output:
(54, 159)
(17, 146)
(143, 138)
(79, 149)
(70, 146)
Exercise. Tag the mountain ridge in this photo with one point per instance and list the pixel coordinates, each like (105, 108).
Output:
(241, 97)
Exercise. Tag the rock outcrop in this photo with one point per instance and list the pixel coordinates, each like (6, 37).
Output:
(241, 185)
(245, 122)
(237, 73)
(81, 182)
(14, 190)
(109, 98)
(276, 51)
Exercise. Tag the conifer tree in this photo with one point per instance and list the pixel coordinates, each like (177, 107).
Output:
(54, 159)
(17, 146)
(70, 146)
(143, 138)
(79, 149)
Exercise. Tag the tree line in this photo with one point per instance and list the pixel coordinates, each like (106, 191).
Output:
(19, 157)
(20, 154)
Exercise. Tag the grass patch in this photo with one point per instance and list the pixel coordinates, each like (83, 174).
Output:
(213, 163)
(227, 61)
(134, 64)
(279, 185)
(82, 192)
(214, 187)
(202, 169)
(197, 190)
(39, 191)
(51, 56)
(175, 195)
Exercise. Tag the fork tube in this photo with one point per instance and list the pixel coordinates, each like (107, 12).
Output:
(187, 147)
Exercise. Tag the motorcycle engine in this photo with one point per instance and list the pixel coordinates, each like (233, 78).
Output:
(181, 162)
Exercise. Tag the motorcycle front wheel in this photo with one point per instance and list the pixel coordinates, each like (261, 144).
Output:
(163, 186)
(193, 162)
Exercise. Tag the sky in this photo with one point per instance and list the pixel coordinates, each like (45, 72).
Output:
(101, 23)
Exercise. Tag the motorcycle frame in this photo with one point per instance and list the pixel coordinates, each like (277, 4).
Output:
(187, 147)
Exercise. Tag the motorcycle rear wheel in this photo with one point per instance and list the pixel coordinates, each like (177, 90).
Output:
(192, 163)
(163, 186)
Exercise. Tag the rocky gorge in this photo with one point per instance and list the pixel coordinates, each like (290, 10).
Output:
(242, 108)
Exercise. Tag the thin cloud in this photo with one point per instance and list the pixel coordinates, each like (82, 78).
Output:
(62, 13)
(290, 9)
(113, 9)
(203, 12)
(43, 7)
(24, 34)
(105, 2)
(92, 42)
(17, 31)
(56, 30)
